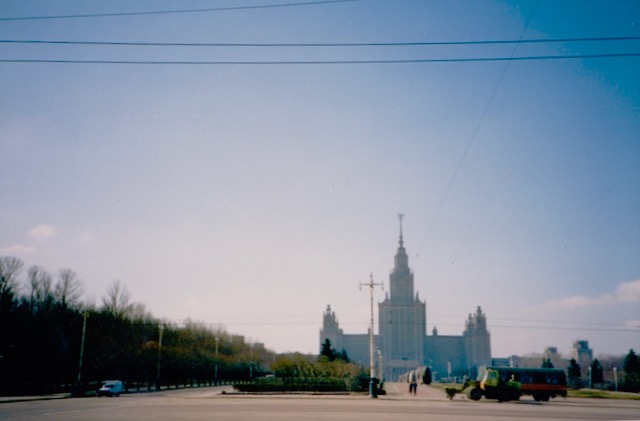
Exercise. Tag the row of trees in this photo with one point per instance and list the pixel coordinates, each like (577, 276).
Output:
(629, 380)
(42, 319)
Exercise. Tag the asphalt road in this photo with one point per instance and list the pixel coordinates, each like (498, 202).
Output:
(209, 404)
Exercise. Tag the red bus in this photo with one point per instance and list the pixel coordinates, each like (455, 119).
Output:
(509, 383)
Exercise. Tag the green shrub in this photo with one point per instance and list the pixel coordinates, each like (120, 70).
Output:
(299, 384)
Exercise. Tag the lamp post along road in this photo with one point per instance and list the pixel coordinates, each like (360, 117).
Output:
(80, 389)
(373, 393)
(380, 367)
(161, 329)
(216, 368)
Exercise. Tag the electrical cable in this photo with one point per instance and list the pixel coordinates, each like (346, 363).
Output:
(323, 62)
(474, 133)
(321, 45)
(167, 12)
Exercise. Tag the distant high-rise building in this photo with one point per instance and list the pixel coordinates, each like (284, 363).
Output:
(582, 354)
(402, 337)
(402, 319)
(551, 353)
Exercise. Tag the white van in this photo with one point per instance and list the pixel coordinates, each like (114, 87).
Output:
(110, 388)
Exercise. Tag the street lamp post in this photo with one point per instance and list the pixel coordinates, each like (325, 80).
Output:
(372, 363)
(380, 367)
(161, 327)
(251, 363)
(84, 331)
(216, 368)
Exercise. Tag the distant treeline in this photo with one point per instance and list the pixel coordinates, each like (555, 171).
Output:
(42, 319)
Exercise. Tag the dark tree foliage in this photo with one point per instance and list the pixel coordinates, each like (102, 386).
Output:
(574, 376)
(328, 353)
(41, 335)
(631, 363)
(344, 356)
(597, 372)
(427, 376)
(546, 363)
(631, 366)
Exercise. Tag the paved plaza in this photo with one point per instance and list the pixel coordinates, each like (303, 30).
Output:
(220, 403)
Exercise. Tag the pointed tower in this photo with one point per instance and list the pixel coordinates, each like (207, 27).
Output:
(477, 340)
(401, 278)
(331, 330)
(402, 318)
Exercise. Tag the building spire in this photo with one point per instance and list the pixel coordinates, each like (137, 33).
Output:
(400, 218)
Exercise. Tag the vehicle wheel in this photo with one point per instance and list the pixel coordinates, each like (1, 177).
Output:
(503, 396)
(475, 394)
(545, 398)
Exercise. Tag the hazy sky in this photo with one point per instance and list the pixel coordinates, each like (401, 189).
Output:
(254, 195)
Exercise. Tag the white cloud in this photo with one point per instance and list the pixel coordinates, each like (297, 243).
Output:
(625, 292)
(574, 301)
(43, 231)
(628, 292)
(633, 324)
(18, 249)
(85, 239)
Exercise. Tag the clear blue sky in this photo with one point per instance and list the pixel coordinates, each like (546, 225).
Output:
(253, 195)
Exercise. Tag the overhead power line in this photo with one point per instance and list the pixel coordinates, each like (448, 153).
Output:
(550, 326)
(477, 128)
(323, 62)
(355, 319)
(320, 45)
(169, 12)
(585, 329)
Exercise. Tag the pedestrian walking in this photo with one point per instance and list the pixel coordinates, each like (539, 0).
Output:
(413, 383)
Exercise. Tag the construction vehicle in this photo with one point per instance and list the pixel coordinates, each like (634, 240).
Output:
(509, 384)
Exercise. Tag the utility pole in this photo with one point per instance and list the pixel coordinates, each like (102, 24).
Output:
(372, 362)
(251, 363)
(161, 328)
(85, 315)
(216, 370)
(380, 366)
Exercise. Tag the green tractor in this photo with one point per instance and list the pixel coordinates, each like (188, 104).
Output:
(510, 383)
(494, 386)
(491, 385)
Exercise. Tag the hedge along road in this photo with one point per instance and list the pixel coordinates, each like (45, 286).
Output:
(209, 403)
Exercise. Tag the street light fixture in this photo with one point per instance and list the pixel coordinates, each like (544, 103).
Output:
(216, 368)
(85, 315)
(373, 393)
(161, 328)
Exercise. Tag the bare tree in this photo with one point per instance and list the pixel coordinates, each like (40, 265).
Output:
(138, 311)
(9, 269)
(118, 300)
(40, 294)
(68, 289)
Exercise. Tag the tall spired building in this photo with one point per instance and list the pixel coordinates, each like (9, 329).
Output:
(402, 318)
(402, 340)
